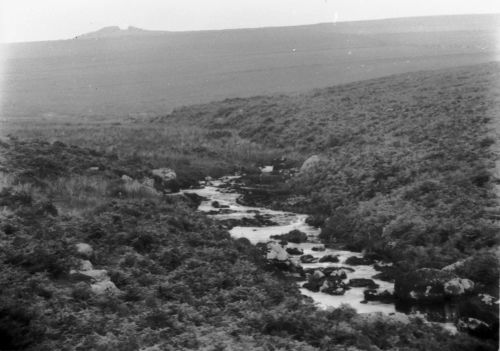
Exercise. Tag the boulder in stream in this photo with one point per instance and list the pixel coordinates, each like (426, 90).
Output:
(318, 248)
(294, 251)
(363, 283)
(295, 236)
(329, 258)
(308, 259)
(359, 261)
(84, 250)
(320, 282)
(335, 272)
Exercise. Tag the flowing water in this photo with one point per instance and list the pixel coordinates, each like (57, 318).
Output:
(222, 193)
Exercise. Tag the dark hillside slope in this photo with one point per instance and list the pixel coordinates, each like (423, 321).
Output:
(406, 159)
(143, 73)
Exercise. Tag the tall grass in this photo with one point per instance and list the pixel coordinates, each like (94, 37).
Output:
(78, 194)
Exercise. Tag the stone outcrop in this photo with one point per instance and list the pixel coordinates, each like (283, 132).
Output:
(458, 286)
(430, 285)
(326, 281)
(84, 250)
(99, 280)
(310, 163)
(165, 179)
(166, 174)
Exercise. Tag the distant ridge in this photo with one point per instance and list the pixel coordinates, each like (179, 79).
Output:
(115, 32)
(405, 24)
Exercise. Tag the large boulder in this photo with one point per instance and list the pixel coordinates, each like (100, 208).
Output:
(336, 272)
(428, 285)
(458, 286)
(333, 287)
(86, 265)
(84, 250)
(276, 252)
(310, 163)
(320, 282)
(294, 251)
(165, 179)
(166, 174)
(329, 258)
(295, 236)
(482, 269)
(308, 259)
(318, 248)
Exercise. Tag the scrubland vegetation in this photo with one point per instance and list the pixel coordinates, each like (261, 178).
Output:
(181, 282)
(405, 173)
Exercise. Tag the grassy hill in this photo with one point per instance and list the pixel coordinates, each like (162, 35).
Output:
(406, 158)
(141, 73)
(406, 162)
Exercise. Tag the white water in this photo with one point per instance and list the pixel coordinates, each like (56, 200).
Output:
(287, 222)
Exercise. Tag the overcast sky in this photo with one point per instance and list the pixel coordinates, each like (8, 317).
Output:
(31, 20)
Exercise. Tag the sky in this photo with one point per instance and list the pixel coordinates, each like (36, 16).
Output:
(35, 20)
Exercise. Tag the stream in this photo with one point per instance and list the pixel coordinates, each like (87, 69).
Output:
(221, 193)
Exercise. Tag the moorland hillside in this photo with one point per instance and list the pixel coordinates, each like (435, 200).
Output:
(113, 74)
(90, 261)
(405, 165)
(406, 161)
(404, 173)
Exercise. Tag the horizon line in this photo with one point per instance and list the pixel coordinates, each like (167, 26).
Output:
(250, 28)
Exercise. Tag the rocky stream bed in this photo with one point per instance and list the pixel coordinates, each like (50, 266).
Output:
(331, 277)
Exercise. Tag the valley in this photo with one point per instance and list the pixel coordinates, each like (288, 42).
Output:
(233, 190)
